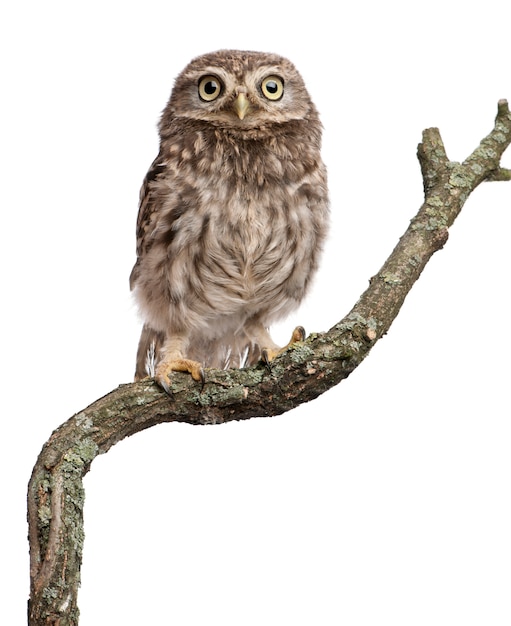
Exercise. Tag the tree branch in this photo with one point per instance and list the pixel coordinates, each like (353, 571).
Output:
(55, 493)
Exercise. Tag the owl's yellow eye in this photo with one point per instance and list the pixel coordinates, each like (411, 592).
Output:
(210, 87)
(272, 87)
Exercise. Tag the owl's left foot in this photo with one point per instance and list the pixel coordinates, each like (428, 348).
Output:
(165, 368)
(268, 354)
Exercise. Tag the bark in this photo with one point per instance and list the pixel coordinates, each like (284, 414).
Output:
(55, 493)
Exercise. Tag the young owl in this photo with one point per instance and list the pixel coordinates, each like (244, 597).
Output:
(233, 214)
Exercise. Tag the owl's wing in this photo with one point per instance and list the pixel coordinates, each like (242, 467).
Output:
(148, 212)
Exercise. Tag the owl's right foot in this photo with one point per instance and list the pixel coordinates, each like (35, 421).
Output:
(268, 354)
(164, 371)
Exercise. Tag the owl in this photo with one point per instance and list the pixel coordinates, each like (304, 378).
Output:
(233, 215)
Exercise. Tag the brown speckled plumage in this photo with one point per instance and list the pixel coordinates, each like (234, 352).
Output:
(233, 214)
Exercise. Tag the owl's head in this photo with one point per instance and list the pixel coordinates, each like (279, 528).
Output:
(239, 90)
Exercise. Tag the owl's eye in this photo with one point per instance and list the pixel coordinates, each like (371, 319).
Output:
(272, 87)
(210, 87)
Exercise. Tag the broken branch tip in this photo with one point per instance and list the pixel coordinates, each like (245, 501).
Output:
(503, 107)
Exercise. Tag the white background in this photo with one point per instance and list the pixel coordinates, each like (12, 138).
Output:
(385, 501)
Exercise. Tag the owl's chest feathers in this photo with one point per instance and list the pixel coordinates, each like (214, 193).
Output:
(239, 231)
(240, 197)
(233, 250)
(240, 227)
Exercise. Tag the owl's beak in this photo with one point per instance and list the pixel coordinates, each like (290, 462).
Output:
(241, 105)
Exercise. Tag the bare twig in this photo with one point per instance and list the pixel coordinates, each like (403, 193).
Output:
(55, 495)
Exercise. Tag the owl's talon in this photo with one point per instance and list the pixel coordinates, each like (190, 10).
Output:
(164, 385)
(266, 358)
(165, 368)
(202, 379)
(268, 354)
(299, 334)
